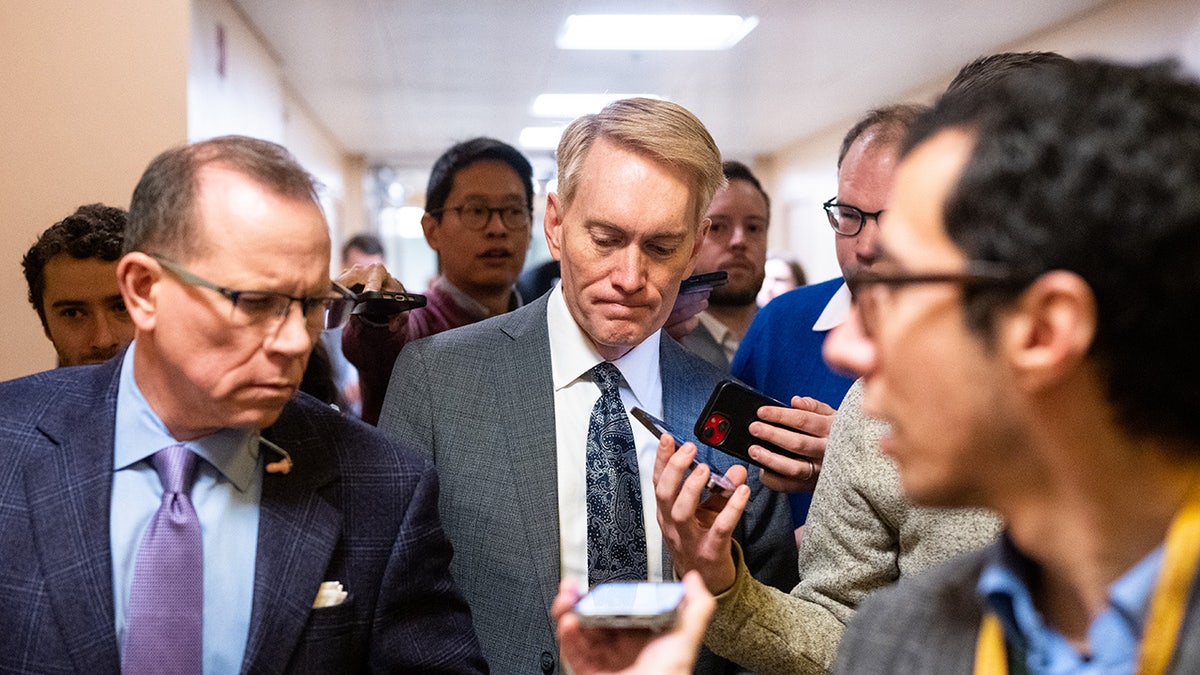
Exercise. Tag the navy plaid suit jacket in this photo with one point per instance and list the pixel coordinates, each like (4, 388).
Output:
(356, 508)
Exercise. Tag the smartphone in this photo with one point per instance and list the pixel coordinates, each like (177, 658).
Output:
(630, 604)
(717, 485)
(703, 282)
(384, 303)
(724, 423)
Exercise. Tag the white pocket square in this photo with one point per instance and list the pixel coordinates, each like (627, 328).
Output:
(330, 594)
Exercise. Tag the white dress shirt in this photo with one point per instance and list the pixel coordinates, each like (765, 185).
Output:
(572, 355)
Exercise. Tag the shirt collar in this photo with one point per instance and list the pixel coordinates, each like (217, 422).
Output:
(572, 353)
(140, 433)
(471, 305)
(719, 331)
(1004, 587)
(836, 310)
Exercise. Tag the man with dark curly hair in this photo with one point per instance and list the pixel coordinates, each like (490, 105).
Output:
(72, 276)
(1029, 340)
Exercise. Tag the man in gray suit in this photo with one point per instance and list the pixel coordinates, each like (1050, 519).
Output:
(1030, 337)
(502, 406)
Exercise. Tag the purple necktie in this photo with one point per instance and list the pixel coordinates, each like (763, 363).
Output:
(166, 605)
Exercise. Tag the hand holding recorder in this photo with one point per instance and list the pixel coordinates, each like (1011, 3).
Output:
(379, 297)
(716, 491)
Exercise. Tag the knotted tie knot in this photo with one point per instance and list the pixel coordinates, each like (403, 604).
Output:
(176, 467)
(608, 378)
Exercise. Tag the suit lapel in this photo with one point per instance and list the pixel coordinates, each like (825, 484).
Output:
(683, 387)
(526, 402)
(69, 488)
(298, 530)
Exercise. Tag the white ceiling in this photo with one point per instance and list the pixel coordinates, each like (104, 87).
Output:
(401, 80)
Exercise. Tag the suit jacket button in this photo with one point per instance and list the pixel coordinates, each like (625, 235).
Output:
(547, 662)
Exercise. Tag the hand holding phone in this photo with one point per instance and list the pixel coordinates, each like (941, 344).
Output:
(634, 651)
(724, 423)
(384, 303)
(630, 604)
(718, 486)
(703, 282)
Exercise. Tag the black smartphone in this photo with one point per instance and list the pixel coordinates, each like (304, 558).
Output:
(703, 282)
(725, 421)
(384, 303)
(630, 604)
(717, 484)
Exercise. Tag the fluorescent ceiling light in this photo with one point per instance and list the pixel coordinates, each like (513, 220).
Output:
(540, 138)
(654, 31)
(571, 106)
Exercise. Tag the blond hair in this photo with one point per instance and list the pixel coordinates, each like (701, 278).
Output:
(660, 130)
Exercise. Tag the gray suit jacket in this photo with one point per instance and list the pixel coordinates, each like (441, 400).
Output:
(702, 343)
(929, 624)
(480, 400)
(356, 508)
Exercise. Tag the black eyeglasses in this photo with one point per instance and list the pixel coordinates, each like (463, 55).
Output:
(268, 309)
(978, 273)
(475, 215)
(847, 220)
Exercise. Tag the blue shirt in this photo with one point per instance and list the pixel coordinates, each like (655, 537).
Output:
(1113, 636)
(781, 357)
(226, 496)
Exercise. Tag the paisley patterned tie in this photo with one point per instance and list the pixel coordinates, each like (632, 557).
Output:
(616, 531)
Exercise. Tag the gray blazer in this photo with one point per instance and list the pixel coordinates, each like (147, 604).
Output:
(930, 623)
(480, 400)
(702, 343)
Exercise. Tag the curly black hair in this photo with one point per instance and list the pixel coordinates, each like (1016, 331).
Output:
(93, 231)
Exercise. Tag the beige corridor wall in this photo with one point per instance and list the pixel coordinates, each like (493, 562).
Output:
(89, 93)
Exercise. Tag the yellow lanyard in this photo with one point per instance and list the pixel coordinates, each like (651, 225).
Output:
(1167, 606)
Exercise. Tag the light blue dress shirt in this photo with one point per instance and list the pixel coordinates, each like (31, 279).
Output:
(1113, 636)
(226, 496)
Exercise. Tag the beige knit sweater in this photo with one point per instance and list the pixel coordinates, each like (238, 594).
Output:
(862, 534)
